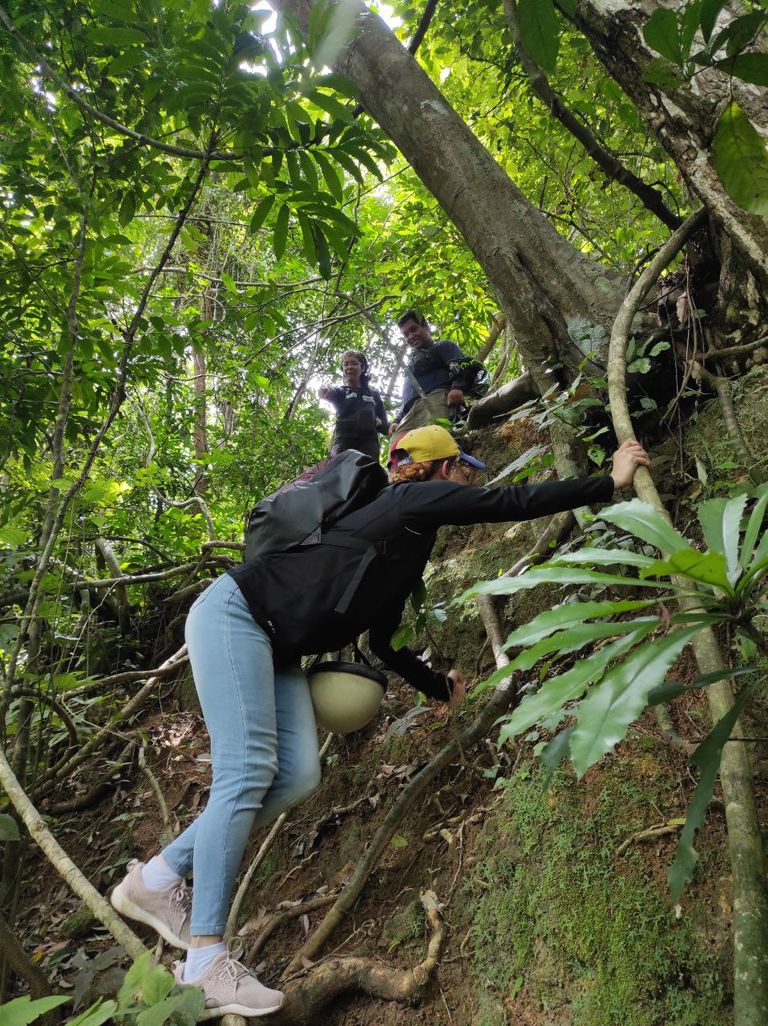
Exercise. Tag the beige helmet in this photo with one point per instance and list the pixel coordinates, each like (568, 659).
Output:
(345, 696)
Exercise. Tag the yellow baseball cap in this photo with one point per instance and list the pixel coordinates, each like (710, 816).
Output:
(421, 445)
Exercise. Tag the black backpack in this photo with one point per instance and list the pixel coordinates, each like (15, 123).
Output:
(300, 511)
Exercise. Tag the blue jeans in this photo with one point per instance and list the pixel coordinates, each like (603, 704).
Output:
(264, 749)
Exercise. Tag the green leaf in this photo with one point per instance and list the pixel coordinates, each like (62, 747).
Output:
(707, 759)
(403, 636)
(280, 232)
(343, 158)
(134, 980)
(9, 828)
(540, 31)
(228, 283)
(261, 212)
(749, 67)
(605, 557)
(641, 519)
(331, 105)
(156, 985)
(323, 253)
(127, 209)
(688, 20)
(666, 692)
(308, 170)
(708, 16)
(160, 1012)
(574, 638)
(23, 1010)
(605, 715)
(661, 33)
(704, 567)
(661, 73)
(555, 692)
(739, 33)
(732, 517)
(99, 1013)
(549, 575)
(553, 753)
(574, 612)
(754, 526)
(294, 172)
(332, 180)
(741, 160)
(308, 239)
(710, 514)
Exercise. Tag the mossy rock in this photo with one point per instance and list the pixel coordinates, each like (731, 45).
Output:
(403, 927)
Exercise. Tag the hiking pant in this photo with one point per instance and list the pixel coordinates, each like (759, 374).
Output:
(264, 750)
(426, 410)
(370, 446)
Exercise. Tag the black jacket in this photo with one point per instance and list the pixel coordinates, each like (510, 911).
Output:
(293, 594)
(357, 413)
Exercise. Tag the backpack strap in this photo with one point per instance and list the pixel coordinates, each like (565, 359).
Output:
(370, 550)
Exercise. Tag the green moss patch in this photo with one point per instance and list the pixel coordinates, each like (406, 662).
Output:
(561, 930)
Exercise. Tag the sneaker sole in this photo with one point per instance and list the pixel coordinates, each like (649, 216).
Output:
(123, 904)
(244, 1010)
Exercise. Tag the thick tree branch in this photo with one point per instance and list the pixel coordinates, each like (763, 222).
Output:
(605, 160)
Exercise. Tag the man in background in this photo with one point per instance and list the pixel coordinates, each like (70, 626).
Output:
(437, 376)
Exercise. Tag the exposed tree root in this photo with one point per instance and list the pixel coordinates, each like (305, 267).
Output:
(747, 858)
(327, 981)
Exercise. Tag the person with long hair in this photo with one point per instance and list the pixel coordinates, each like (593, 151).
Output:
(246, 634)
(360, 413)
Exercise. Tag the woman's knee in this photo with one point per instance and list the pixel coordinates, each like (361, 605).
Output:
(303, 783)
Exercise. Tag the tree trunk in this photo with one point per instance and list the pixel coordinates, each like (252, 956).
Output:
(544, 284)
(683, 118)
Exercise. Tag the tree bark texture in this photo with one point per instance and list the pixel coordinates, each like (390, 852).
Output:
(541, 280)
(683, 118)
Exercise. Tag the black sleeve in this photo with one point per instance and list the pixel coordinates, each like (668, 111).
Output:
(432, 503)
(404, 662)
(336, 397)
(381, 413)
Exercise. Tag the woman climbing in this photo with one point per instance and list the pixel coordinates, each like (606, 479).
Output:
(245, 635)
(360, 414)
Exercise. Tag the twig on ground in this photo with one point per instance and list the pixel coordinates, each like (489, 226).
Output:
(170, 831)
(655, 831)
(64, 768)
(281, 917)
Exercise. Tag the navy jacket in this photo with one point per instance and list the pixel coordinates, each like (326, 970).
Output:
(437, 366)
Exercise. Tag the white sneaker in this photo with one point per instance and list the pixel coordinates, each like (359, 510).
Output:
(231, 988)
